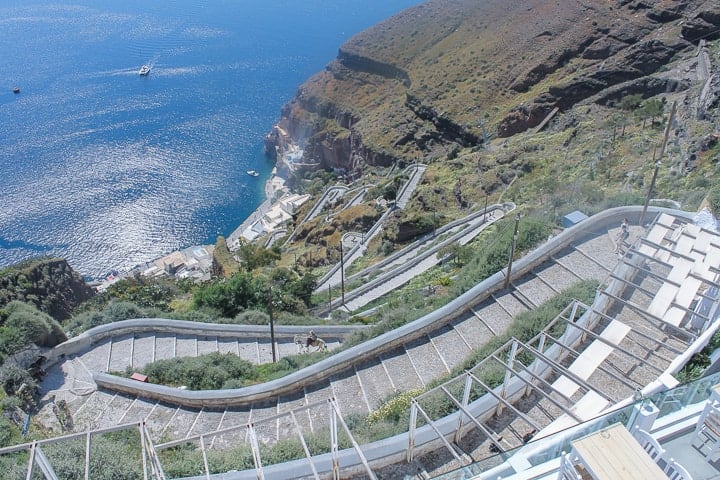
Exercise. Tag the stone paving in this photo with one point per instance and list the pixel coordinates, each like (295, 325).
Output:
(358, 390)
(410, 262)
(362, 387)
(646, 350)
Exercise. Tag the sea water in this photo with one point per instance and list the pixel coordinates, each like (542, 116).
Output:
(111, 169)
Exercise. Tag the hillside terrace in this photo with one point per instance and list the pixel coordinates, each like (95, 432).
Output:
(631, 339)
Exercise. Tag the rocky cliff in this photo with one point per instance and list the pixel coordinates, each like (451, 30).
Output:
(49, 284)
(428, 80)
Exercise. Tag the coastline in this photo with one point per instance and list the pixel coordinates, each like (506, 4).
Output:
(195, 261)
(273, 187)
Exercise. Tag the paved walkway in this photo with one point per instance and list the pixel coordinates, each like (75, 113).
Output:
(359, 389)
(417, 258)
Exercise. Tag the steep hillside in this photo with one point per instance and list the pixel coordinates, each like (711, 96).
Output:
(50, 284)
(421, 83)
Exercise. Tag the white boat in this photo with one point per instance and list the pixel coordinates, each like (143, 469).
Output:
(253, 173)
(144, 70)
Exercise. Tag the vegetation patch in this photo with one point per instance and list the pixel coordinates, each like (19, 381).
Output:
(392, 416)
(216, 370)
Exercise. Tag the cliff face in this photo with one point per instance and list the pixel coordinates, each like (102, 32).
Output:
(422, 82)
(49, 284)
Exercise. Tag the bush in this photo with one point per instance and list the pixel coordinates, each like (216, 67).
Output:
(19, 383)
(113, 456)
(252, 317)
(23, 324)
(118, 311)
(714, 200)
(113, 312)
(144, 291)
(9, 433)
(206, 372)
(393, 408)
(85, 321)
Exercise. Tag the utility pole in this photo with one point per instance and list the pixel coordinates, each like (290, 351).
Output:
(512, 250)
(342, 273)
(658, 162)
(272, 325)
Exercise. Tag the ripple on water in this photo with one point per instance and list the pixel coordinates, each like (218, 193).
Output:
(110, 169)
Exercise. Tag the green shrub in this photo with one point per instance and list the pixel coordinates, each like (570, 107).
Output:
(206, 372)
(113, 312)
(113, 456)
(9, 433)
(118, 311)
(252, 317)
(23, 325)
(86, 321)
(714, 200)
(393, 408)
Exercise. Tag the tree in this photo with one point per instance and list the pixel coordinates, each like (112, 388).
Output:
(653, 108)
(631, 102)
(303, 287)
(254, 256)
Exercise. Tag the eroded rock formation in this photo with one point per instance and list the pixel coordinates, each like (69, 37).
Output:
(420, 83)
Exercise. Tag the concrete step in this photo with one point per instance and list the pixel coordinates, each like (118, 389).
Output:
(143, 351)
(532, 291)
(602, 247)
(232, 417)
(494, 315)
(349, 394)
(557, 276)
(250, 351)
(229, 345)
(165, 346)
(375, 382)
(586, 266)
(138, 411)
(180, 424)
(185, 346)
(207, 421)
(318, 393)
(451, 346)
(114, 411)
(266, 431)
(157, 419)
(512, 303)
(207, 345)
(120, 353)
(265, 350)
(401, 370)
(84, 415)
(472, 330)
(96, 358)
(426, 360)
(289, 403)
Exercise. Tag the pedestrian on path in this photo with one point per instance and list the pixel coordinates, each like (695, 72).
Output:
(622, 235)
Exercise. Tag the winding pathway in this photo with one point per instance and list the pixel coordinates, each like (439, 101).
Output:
(359, 378)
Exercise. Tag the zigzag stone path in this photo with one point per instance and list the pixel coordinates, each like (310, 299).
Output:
(358, 389)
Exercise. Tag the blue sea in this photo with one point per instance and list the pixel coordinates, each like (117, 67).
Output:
(110, 169)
